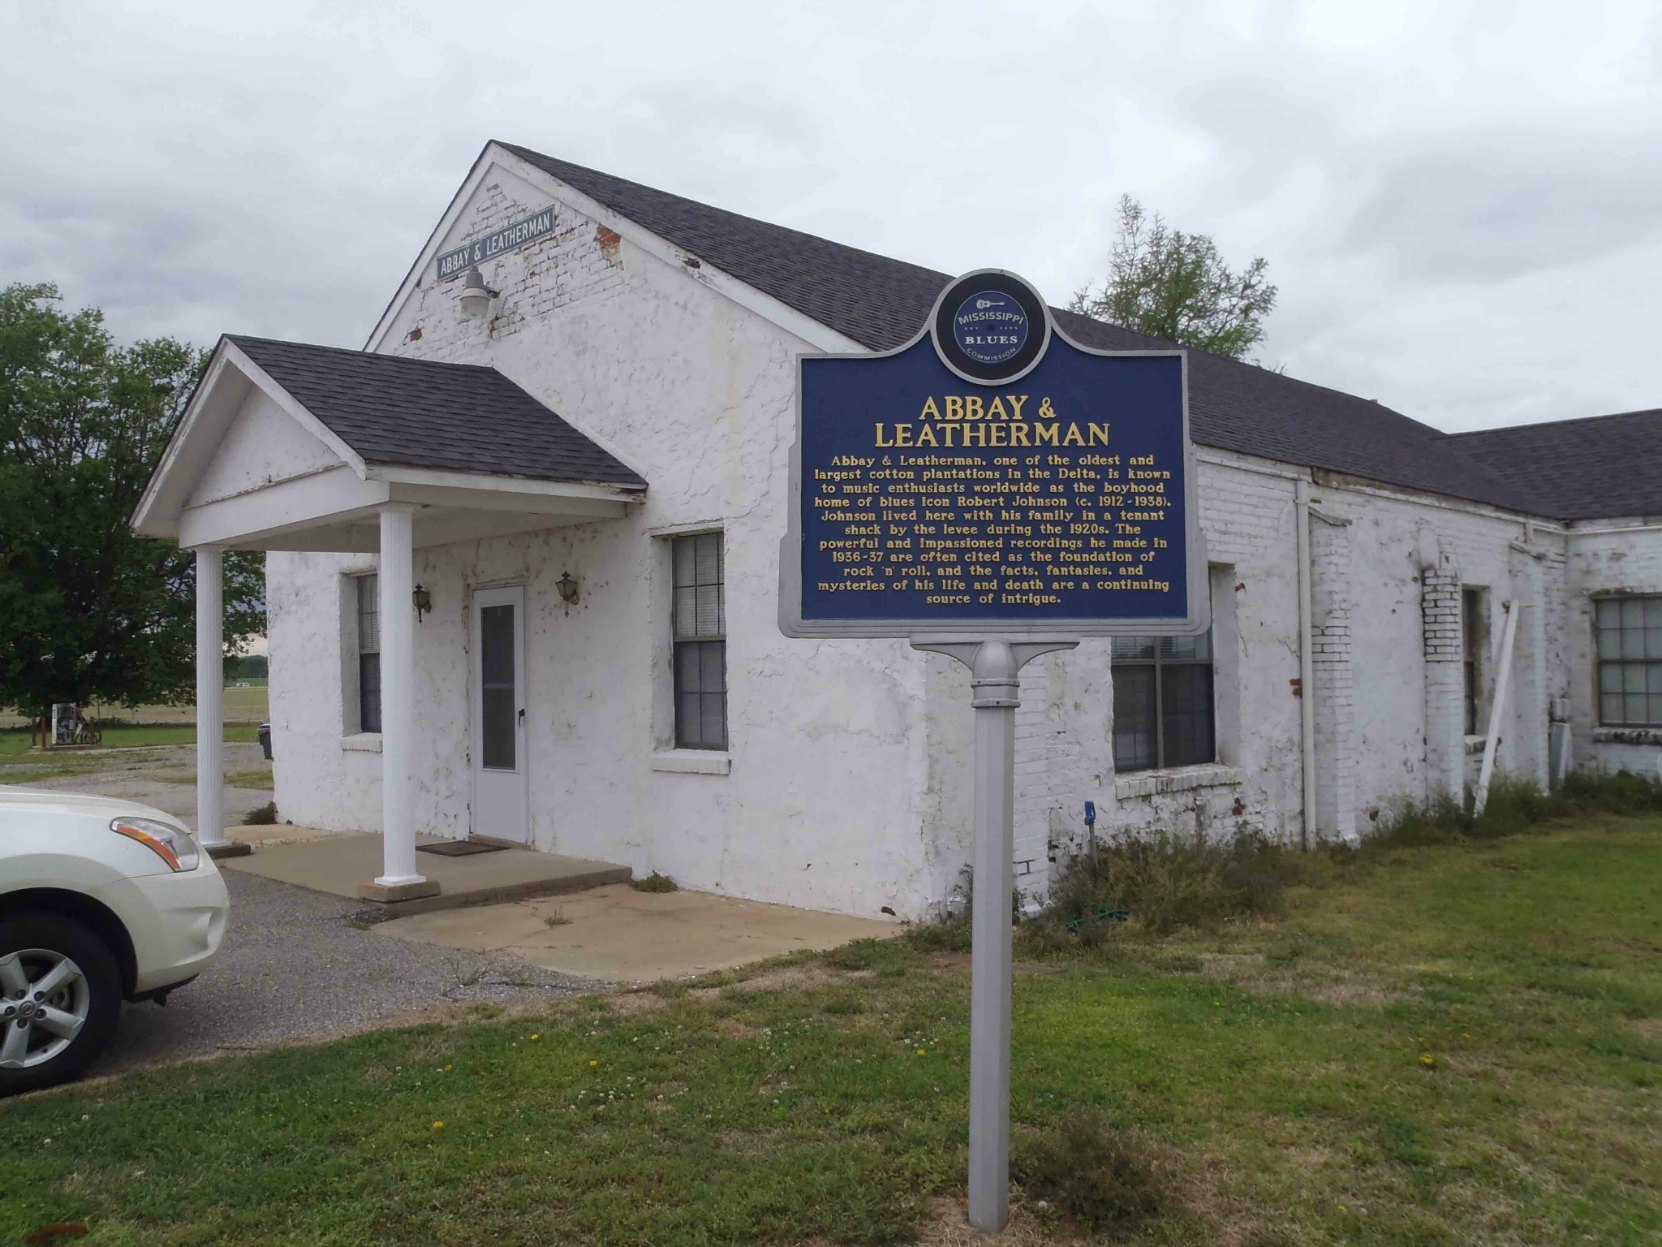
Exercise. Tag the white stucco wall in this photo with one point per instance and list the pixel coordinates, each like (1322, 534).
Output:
(849, 779)
(824, 802)
(1607, 557)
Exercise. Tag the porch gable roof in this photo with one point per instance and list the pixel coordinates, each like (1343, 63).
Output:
(420, 413)
(288, 446)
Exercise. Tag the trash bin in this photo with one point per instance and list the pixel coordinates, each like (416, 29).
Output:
(265, 740)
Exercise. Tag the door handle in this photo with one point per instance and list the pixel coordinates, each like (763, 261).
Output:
(522, 714)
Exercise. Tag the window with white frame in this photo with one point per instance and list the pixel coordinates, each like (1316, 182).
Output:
(1628, 634)
(700, 638)
(369, 653)
(1163, 707)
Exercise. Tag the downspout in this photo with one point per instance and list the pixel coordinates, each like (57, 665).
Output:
(1306, 661)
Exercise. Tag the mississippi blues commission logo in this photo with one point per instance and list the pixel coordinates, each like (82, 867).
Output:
(990, 327)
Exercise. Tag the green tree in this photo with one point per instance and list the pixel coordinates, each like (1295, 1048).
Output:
(1177, 286)
(88, 611)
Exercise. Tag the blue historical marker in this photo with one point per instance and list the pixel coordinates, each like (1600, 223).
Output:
(993, 476)
(995, 492)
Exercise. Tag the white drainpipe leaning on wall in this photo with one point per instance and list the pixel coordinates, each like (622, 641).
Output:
(1306, 660)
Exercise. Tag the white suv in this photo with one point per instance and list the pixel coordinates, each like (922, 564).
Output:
(100, 900)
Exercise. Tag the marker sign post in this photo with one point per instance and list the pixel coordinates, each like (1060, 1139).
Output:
(992, 491)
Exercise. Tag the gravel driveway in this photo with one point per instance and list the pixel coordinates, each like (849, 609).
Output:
(295, 966)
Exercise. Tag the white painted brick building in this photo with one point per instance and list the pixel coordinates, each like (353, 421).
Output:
(836, 774)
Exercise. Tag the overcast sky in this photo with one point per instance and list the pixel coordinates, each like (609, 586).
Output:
(1461, 203)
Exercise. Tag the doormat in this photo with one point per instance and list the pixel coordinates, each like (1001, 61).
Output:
(459, 848)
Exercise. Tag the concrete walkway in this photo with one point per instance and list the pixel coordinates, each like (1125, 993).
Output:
(626, 936)
(338, 864)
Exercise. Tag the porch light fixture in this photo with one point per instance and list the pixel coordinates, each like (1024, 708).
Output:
(567, 585)
(475, 297)
(423, 601)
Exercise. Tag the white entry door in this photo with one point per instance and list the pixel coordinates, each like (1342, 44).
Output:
(500, 790)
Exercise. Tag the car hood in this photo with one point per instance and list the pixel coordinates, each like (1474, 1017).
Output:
(19, 800)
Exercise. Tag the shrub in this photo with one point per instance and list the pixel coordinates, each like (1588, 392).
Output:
(1515, 806)
(1161, 884)
(947, 935)
(655, 883)
(1103, 1177)
(261, 815)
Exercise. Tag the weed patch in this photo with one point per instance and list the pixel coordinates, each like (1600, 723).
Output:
(655, 883)
(1102, 1177)
(1160, 885)
(1515, 806)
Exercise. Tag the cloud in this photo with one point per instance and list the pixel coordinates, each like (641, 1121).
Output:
(1459, 205)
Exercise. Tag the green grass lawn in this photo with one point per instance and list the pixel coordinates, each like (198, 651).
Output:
(1447, 1045)
(20, 764)
(246, 701)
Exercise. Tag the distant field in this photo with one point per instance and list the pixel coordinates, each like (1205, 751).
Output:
(246, 701)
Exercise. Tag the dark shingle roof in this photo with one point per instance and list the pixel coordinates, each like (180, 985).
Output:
(425, 414)
(1597, 467)
(880, 303)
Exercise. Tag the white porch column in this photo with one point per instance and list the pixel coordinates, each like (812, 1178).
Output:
(397, 571)
(210, 697)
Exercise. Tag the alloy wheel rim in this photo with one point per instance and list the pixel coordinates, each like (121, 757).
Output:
(44, 1002)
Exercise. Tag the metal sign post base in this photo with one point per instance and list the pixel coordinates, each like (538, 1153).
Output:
(995, 680)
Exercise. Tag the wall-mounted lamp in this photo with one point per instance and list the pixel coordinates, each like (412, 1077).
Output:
(475, 297)
(567, 585)
(423, 601)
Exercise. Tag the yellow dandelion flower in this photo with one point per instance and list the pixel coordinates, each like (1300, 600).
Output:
(448, 1068)
(438, 1125)
(1427, 1060)
(536, 1036)
(920, 1052)
(594, 1064)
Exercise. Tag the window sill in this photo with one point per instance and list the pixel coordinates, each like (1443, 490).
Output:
(1178, 779)
(693, 762)
(1627, 735)
(361, 742)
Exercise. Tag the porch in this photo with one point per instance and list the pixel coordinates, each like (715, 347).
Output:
(289, 447)
(333, 862)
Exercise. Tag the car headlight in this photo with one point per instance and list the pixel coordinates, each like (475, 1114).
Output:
(172, 844)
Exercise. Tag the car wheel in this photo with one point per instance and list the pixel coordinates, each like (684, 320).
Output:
(60, 994)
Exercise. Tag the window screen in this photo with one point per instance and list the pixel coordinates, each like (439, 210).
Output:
(369, 653)
(1163, 714)
(700, 631)
(1628, 633)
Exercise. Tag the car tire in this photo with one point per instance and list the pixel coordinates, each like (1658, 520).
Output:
(83, 986)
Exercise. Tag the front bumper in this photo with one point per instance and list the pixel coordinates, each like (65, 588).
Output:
(176, 923)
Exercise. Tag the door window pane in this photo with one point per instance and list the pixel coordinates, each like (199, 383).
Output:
(497, 701)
